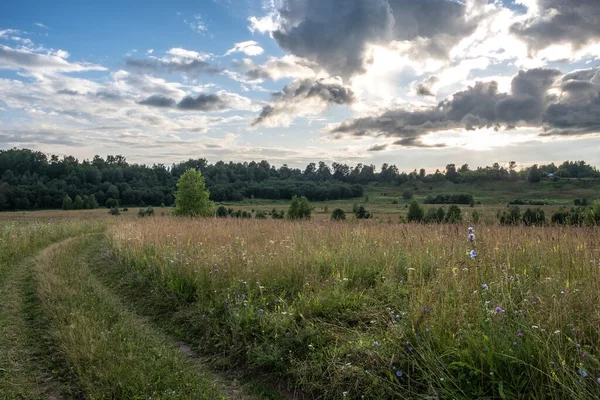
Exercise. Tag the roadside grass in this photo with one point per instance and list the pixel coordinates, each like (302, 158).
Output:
(109, 352)
(367, 310)
(22, 373)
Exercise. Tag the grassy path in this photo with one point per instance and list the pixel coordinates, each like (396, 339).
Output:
(65, 335)
(23, 374)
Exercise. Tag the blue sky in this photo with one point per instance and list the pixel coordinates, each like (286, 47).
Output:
(411, 83)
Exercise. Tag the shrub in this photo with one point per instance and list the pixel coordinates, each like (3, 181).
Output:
(299, 208)
(338, 215)
(362, 213)
(454, 214)
(560, 217)
(449, 199)
(260, 214)
(221, 212)
(513, 217)
(394, 201)
(475, 217)
(110, 203)
(407, 195)
(415, 212)
(534, 217)
(275, 214)
(114, 211)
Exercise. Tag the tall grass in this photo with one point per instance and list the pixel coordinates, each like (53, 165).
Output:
(110, 353)
(366, 310)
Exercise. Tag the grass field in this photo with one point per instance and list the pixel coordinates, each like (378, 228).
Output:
(106, 307)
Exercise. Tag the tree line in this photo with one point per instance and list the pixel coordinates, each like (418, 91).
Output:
(33, 180)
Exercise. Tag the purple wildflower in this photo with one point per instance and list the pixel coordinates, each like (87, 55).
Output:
(473, 254)
(519, 334)
(499, 309)
(583, 373)
(471, 237)
(484, 287)
(399, 374)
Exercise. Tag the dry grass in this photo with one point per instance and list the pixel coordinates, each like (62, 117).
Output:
(343, 307)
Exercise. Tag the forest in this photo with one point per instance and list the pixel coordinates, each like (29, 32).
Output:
(34, 180)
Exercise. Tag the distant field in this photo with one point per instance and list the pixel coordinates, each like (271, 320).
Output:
(163, 307)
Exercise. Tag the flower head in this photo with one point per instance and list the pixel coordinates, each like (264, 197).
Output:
(484, 286)
(499, 309)
(583, 373)
(471, 236)
(398, 374)
(473, 254)
(471, 230)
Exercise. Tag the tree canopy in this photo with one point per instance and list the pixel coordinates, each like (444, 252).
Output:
(192, 198)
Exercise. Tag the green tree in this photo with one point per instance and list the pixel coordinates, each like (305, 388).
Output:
(93, 202)
(407, 195)
(192, 197)
(415, 212)
(454, 215)
(338, 215)
(78, 203)
(299, 208)
(110, 203)
(67, 203)
(534, 174)
(221, 212)
(362, 213)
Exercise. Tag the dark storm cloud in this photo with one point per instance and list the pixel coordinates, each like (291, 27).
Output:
(575, 112)
(158, 100)
(202, 102)
(335, 33)
(302, 94)
(575, 22)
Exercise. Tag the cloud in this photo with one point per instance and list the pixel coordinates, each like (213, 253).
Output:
(219, 101)
(25, 59)
(39, 24)
(180, 60)
(277, 68)
(336, 34)
(157, 100)
(574, 23)
(378, 147)
(197, 24)
(249, 48)
(544, 98)
(202, 102)
(304, 97)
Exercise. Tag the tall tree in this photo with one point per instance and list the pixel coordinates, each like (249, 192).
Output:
(192, 197)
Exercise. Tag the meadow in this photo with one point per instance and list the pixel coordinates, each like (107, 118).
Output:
(119, 307)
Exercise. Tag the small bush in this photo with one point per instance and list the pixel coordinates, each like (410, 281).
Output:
(454, 214)
(362, 213)
(221, 212)
(338, 215)
(415, 212)
(260, 214)
(534, 217)
(115, 211)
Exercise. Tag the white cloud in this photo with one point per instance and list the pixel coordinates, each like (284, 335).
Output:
(23, 59)
(197, 24)
(249, 48)
(39, 24)
(149, 51)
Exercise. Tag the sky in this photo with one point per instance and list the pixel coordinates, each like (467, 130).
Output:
(414, 83)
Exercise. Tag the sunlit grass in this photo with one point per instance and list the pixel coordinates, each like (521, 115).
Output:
(348, 307)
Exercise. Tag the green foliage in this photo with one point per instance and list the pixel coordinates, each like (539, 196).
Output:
(78, 203)
(407, 195)
(278, 214)
(338, 215)
(93, 202)
(415, 212)
(560, 217)
(260, 214)
(67, 203)
(362, 213)
(434, 216)
(450, 199)
(454, 214)
(192, 198)
(475, 217)
(534, 217)
(148, 212)
(221, 212)
(110, 203)
(534, 174)
(299, 208)
(513, 217)
(115, 211)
